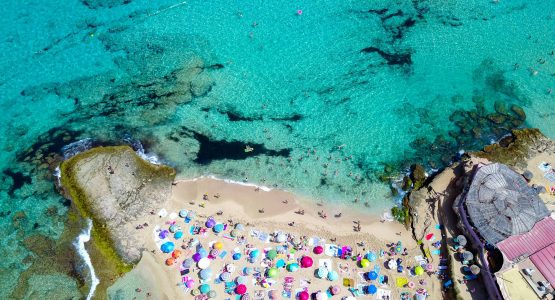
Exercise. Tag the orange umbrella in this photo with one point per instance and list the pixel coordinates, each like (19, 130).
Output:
(176, 253)
(170, 261)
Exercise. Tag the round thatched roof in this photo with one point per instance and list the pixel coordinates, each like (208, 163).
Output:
(501, 204)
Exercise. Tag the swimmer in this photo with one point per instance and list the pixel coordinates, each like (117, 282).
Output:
(299, 12)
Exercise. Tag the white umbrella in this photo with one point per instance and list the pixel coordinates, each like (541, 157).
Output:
(392, 264)
(230, 268)
(281, 238)
(203, 263)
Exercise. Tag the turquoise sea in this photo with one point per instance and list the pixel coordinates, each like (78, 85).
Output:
(328, 93)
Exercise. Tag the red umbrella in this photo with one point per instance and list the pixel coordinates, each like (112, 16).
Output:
(241, 289)
(306, 262)
(318, 250)
(304, 295)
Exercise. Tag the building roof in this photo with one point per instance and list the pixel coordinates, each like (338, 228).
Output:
(544, 260)
(501, 204)
(526, 244)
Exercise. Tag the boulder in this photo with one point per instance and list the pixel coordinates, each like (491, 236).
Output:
(417, 175)
(521, 115)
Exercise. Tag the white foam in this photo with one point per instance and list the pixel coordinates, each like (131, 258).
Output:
(84, 237)
(262, 187)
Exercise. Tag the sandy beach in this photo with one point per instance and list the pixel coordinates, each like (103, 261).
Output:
(269, 211)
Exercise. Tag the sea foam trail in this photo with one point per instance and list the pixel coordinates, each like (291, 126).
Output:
(262, 187)
(84, 237)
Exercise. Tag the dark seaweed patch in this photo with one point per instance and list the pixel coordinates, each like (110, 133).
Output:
(211, 150)
(392, 59)
(18, 180)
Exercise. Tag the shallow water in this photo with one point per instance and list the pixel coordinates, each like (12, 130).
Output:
(326, 98)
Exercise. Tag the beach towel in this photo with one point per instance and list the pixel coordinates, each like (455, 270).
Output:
(330, 249)
(223, 254)
(436, 252)
(348, 282)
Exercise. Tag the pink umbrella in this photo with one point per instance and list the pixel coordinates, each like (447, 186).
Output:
(318, 250)
(429, 267)
(304, 295)
(241, 289)
(306, 262)
(335, 289)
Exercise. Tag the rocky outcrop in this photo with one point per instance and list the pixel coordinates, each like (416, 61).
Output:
(115, 187)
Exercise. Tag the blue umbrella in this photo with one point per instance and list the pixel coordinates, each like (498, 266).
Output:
(254, 253)
(372, 289)
(203, 252)
(205, 274)
(187, 263)
(372, 275)
(174, 228)
(332, 275)
(183, 213)
(167, 247)
(178, 235)
(218, 228)
(371, 256)
(204, 288)
(236, 256)
(280, 263)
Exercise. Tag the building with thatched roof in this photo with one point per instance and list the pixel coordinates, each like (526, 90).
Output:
(501, 204)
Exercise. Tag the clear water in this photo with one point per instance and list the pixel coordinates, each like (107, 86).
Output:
(196, 81)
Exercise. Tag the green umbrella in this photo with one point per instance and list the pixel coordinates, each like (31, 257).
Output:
(271, 254)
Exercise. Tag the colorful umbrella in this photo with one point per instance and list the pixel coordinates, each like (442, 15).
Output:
(429, 267)
(170, 261)
(183, 213)
(205, 274)
(167, 247)
(254, 253)
(218, 245)
(321, 296)
(271, 254)
(241, 289)
(371, 256)
(292, 267)
(163, 234)
(212, 294)
(318, 250)
(210, 223)
(474, 269)
(178, 235)
(187, 263)
(364, 263)
(197, 257)
(280, 263)
(236, 256)
(218, 228)
(372, 275)
(419, 270)
(173, 228)
(225, 276)
(176, 253)
(306, 262)
(272, 272)
(371, 289)
(241, 280)
(234, 233)
(303, 295)
(332, 275)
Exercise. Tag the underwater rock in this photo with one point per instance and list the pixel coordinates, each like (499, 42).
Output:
(115, 187)
(497, 118)
(519, 112)
(94, 4)
(500, 107)
(404, 58)
(417, 175)
(407, 183)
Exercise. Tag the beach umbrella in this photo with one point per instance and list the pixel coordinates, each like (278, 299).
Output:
(371, 256)
(174, 228)
(189, 283)
(204, 288)
(210, 223)
(271, 254)
(191, 215)
(236, 256)
(205, 274)
(225, 276)
(281, 238)
(273, 294)
(335, 289)
(322, 272)
(230, 268)
(196, 257)
(178, 235)
(218, 245)
(167, 247)
(212, 294)
(461, 240)
(218, 228)
(399, 269)
(187, 263)
(272, 272)
(195, 292)
(332, 275)
(372, 275)
(245, 297)
(280, 263)
(303, 295)
(292, 267)
(203, 263)
(371, 289)
(234, 233)
(254, 253)
(364, 263)
(163, 234)
(241, 280)
(474, 269)
(429, 267)
(183, 213)
(411, 284)
(321, 296)
(306, 262)
(239, 226)
(392, 264)
(419, 270)
(318, 250)
(214, 252)
(170, 261)
(203, 253)
(241, 289)
(467, 255)
(176, 253)
(248, 270)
